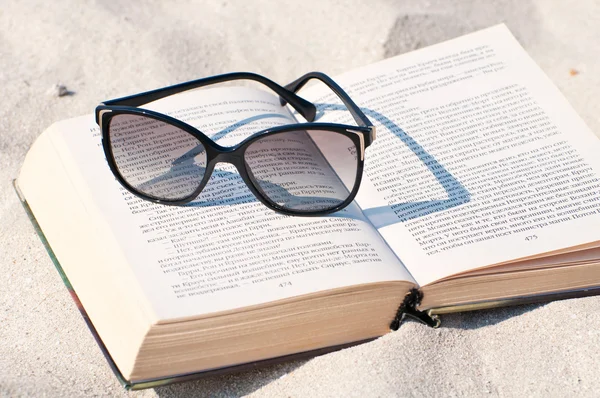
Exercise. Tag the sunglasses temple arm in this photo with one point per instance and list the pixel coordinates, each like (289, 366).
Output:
(304, 107)
(360, 118)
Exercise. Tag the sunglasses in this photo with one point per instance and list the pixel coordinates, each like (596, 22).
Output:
(302, 169)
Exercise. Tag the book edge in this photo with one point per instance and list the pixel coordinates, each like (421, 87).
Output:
(244, 367)
(513, 301)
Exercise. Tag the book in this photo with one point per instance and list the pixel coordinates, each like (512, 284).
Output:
(481, 189)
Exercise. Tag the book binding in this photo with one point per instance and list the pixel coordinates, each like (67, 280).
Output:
(409, 308)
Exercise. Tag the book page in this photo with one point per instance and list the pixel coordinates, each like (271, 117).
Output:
(479, 158)
(224, 250)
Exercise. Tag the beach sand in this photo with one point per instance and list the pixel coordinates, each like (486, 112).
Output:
(104, 49)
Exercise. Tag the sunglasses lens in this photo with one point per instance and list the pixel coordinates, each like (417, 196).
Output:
(304, 170)
(155, 158)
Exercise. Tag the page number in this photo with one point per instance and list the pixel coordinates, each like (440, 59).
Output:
(285, 284)
(531, 237)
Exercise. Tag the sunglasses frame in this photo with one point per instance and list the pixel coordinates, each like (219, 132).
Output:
(362, 135)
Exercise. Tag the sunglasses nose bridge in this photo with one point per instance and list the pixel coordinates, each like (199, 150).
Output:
(230, 157)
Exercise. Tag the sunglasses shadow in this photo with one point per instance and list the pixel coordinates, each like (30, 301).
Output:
(384, 215)
(380, 216)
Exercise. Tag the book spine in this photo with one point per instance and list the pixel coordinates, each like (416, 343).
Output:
(409, 308)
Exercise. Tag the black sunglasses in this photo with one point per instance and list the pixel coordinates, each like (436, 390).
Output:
(306, 169)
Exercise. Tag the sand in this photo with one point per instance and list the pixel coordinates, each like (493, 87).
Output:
(99, 50)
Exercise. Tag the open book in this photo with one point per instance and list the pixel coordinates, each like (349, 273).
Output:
(482, 188)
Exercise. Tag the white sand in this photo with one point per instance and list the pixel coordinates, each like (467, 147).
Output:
(103, 49)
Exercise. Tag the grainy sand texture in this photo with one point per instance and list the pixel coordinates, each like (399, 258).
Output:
(104, 49)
